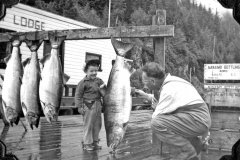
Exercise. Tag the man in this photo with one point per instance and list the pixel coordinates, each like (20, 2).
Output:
(180, 115)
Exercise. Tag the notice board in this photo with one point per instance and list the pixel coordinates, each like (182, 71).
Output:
(222, 94)
(222, 71)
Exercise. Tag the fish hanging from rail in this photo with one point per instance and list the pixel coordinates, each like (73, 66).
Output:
(117, 100)
(30, 85)
(12, 80)
(53, 80)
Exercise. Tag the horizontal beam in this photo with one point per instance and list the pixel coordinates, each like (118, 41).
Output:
(99, 33)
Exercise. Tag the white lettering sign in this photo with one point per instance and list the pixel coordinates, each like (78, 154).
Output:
(222, 71)
(30, 23)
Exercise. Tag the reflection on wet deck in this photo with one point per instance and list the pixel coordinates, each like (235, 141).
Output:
(62, 140)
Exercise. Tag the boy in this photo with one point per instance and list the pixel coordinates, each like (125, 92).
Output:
(87, 100)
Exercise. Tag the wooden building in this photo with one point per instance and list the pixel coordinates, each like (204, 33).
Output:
(73, 54)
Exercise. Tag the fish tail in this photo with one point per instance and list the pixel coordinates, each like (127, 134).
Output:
(51, 116)
(121, 48)
(49, 112)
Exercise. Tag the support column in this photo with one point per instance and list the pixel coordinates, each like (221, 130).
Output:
(159, 57)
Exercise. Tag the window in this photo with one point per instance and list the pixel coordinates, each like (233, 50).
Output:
(5, 49)
(47, 49)
(90, 56)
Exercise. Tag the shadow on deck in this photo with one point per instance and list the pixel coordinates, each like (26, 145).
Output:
(62, 141)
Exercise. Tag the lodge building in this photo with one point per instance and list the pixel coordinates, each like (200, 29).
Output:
(73, 53)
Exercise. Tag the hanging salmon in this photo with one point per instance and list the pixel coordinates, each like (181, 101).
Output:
(30, 85)
(117, 100)
(52, 82)
(11, 84)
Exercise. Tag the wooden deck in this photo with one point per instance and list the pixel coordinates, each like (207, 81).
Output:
(62, 141)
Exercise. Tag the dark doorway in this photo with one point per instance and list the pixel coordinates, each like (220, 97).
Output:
(5, 49)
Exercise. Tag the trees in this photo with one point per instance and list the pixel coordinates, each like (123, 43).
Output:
(140, 18)
(195, 28)
(94, 5)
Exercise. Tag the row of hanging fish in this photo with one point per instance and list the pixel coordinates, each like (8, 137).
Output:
(26, 88)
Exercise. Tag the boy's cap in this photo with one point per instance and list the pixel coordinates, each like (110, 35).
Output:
(93, 62)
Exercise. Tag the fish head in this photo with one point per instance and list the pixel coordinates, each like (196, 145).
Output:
(32, 119)
(128, 64)
(115, 136)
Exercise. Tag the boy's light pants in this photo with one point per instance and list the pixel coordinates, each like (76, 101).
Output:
(92, 122)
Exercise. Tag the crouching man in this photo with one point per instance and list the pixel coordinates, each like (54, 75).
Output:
(180, 115)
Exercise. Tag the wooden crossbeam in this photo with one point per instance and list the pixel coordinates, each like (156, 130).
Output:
(100, 33)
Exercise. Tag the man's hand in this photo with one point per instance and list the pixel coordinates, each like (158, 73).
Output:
(142, 94)
(81, 111)
(149, 97)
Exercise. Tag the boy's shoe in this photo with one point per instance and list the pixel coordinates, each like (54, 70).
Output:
(95, 145)
(88, 147)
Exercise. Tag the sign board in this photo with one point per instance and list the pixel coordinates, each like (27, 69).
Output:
(222, 71)
(28, 22)
(223, 86)
(223, 96)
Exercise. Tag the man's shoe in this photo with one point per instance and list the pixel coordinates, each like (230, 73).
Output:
(187, 155)
(88, 147)
(96, 146)
(188, 152)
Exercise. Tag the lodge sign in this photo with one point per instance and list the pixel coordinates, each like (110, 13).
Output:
(27, 22)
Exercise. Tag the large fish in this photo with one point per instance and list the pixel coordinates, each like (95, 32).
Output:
(52, 82)
(117, 100)
(30, 86)
(11, 85)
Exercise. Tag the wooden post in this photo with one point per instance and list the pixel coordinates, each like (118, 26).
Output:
(159, 57)
(159, 43)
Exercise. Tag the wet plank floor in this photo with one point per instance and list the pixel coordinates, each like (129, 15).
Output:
(62, 141)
